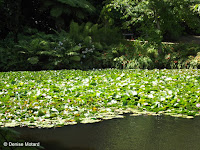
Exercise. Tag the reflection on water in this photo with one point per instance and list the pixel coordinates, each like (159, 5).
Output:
(130, 133)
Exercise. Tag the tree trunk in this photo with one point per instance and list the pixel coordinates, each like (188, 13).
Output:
(158, 27)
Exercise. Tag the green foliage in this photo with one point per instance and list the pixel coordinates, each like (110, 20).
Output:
(88, 46)
(75, 8)
(155, 18)
(93, 33)
(59, 7)
(176, 56)
(137, 54)
(81, 48)
(144, 55)
(93, 40)
(39, 51)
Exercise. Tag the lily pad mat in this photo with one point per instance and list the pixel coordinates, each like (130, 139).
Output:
(62, 97)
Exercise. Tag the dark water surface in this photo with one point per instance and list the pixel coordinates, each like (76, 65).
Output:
(130, 133)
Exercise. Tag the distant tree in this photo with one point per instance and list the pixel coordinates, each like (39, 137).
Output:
(156, 18)
(35, 15)
(98, 4)
(41, 14)
(63, 11)
(11, 17)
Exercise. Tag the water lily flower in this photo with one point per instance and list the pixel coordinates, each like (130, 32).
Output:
(38, 93)
(162, 99)
(36, 107)
(47, 115)
(98, 94)
(142, 86)
(198, 105)
(53, 109)
(134, 92)
(113, 101)
(108, 109)
(168, 79)
(154, 83)
(44, 94)
(86, 114)
(170, 92)
(152, 92)
(150, 96)
(188, 77)
(48, 97)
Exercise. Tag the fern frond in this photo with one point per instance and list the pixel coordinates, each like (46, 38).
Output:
(72, 53)
(74, 30)
(75, 58)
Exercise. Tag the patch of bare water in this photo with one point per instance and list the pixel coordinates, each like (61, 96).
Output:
(131, 133)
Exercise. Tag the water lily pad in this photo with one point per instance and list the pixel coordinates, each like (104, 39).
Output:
(89, 120)
(10, 124)
(118, 116)
(189, 117)
(135, 114)
(178, 115)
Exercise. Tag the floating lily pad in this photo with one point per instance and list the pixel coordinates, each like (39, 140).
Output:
(189, 117)
(89, 120)
(178, 115)
(118, 116)
(135, 114)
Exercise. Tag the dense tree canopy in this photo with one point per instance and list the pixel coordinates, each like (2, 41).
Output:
(153, 19)
(44, 15)
(158, 18)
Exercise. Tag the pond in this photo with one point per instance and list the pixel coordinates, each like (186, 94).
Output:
(131, 133)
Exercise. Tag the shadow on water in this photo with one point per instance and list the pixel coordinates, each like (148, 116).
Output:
(130, 133)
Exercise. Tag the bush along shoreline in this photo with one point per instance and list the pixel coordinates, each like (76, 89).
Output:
(89, 46)
(62, 97)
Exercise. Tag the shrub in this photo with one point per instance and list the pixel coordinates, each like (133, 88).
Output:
(80, 48)
(94, 41)
(180, 56)
(39, 51)
(145, 55)
(135, 54)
